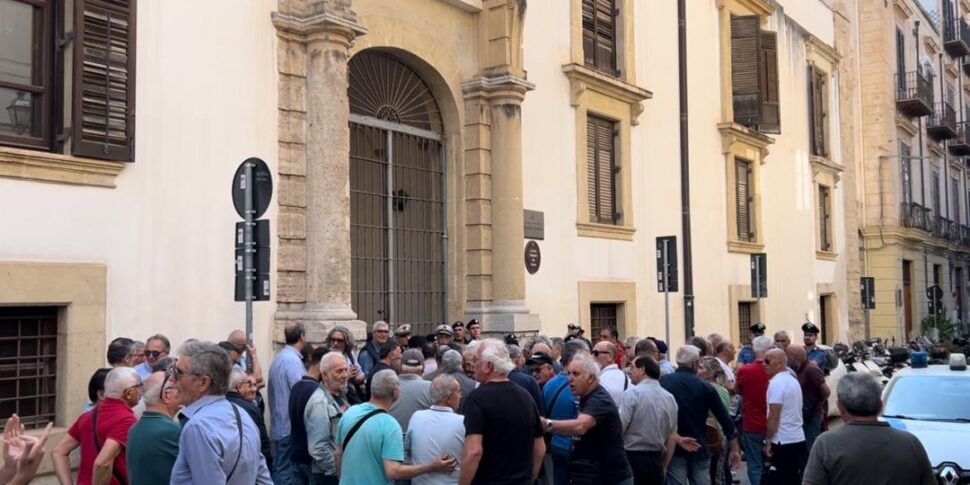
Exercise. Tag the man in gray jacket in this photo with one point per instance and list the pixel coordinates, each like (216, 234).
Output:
(323, 411)
(415, 391)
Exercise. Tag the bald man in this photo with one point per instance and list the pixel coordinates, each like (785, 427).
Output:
(784, 437)
(815, 392)
(238, 338)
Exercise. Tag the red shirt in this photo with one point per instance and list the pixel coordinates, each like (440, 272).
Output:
(115, 418)
(752, 384)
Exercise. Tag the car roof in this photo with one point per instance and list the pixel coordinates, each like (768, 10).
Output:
(931, 370)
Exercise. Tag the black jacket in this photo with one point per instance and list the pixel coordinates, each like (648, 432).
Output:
(253, 411)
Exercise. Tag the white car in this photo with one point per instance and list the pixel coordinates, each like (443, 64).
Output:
(933, 403)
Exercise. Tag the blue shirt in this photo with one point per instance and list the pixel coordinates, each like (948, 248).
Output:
(818, 356)
(210, 443)
(564, 407)
(666, 367)
(285, 371)
(746, 355)
(143, 370)
(379, 438)
(695, 400)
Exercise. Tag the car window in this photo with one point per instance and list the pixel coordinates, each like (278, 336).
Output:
(930, 398)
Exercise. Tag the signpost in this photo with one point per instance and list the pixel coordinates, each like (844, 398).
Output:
(868, 287)
(667, 275)
(252, 190)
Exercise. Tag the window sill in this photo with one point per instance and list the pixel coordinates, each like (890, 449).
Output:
(605, 231)
(583, 79)
(826, 255)
(57, 168)
(745, 247)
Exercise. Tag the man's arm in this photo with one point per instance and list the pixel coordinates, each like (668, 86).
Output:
(538, 452)
(574, 427)
(396, 470)
(105, 461)
(257, 369)
(60, 455)
(471, 457)
(774, 416)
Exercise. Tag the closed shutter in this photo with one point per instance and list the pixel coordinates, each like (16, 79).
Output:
(744, 199)
(817, 114)
(936, 194)
(601, 170)
(104, 79)
(599, 35)
(823, 218)
(768, 59)
(900, 64)
(745, 71)
(906, 177)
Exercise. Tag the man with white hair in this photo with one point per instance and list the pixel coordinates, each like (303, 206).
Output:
(415, 391)
(782, 340)
(437, 431)
(696, 400)
(502, 414)
(370, 354)
(153, 442)
(102, 433)
(219, 443)
(452, 364)
(242, 393)
(323, 412)
(752, 384)
(370, 442)
(599, 454)
(784, 436)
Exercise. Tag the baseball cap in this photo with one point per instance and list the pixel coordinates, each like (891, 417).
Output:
(412, 358)
(539, 358)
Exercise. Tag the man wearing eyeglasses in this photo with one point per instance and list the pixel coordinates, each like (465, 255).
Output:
(157, 347)
(153, 442)
(219, 443)
(370, 355)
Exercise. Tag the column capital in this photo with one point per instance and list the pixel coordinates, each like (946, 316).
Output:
(506, 89)
(325, 26)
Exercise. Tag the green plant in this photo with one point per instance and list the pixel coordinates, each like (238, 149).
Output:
(940, 329)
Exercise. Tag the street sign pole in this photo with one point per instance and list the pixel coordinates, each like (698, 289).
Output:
(666, 276)
(248, 249)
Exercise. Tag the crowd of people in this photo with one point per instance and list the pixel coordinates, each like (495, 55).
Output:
(454, 407)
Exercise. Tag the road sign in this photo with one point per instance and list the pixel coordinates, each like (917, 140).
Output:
(759, 275)
(868, 286)
(260, 188)
(667, 264)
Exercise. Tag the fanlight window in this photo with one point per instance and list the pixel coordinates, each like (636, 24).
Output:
(384, 88)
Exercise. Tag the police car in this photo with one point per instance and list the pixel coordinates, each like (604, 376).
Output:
(933, 403)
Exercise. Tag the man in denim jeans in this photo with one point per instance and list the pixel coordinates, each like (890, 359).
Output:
(696, 399)
(752, 384)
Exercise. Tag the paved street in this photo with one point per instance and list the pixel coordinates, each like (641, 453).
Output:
(742, 471)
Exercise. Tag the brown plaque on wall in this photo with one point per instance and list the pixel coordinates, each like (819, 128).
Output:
(533, 257)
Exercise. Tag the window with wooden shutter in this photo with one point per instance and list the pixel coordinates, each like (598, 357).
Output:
(26, 73)
(906, 174)
(599, 35)
(754, 74)
(955, 200)
(601, 170)
(818, 116)
(744, 200)
(104, 79)
(935, 191)
(824, 219)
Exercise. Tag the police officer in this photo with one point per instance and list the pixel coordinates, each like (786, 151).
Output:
(746, 355)
(815, 354)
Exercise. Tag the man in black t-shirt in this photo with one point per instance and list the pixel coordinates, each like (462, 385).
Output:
(598, 443)
(503, 434)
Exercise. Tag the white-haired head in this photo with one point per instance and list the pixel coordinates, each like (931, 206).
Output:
(688, 356)
(762, 344)
(495, 352)
(118, 380)
(384, 384)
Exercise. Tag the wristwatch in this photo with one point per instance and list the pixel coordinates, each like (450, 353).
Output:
(548, 424)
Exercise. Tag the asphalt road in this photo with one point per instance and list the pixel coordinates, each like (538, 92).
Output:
(742, 472)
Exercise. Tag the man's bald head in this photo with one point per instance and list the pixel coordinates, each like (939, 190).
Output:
(237, 337)
(797, 354)
(541, 348)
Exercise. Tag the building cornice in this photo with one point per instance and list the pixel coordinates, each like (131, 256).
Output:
(325, 26)
(732, 133)
(814, 45)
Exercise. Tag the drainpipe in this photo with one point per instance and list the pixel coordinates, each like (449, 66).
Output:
(922, 168)
(946, 167)
(685, 169)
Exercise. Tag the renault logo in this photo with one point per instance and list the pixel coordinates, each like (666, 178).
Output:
(948, 476)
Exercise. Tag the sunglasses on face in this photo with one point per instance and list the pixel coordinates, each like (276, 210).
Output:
(381, 331)
(597, 353)
(153, 353)
(337, 340)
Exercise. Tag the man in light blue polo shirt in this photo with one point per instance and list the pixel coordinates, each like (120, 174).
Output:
(285, 371)
(374, 454)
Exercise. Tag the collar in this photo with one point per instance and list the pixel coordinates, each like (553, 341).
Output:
(195, 407)
(610, 367)
(856, 422)
(308, 377)
(148, 413)
(444, 409)
(291, 349)
(409, 377)
(115, 402)
(648, 382)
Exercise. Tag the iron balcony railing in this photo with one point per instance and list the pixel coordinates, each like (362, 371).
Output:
(960, 145)
(914, 93)
(964, 235)
(942, 124)
(942, 229)
(956, 38)
(917, 217)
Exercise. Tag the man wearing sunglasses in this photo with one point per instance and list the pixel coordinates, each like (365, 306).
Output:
(153, 442)
(157, 347)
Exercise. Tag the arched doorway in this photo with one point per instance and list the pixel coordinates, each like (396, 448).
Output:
(397, 202)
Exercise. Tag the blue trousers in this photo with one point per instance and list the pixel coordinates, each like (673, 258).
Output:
(753, 445)
(560, 465)
(282, 466)
(689, 470)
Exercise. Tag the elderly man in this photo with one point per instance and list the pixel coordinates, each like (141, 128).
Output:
(323, 412)
(612, 378)
(121, 352)
(521, 378)
(415, 391)
(371, 444)
(102, 433)
(157, 347)
(724, 351)
(370, 354)
(437, 431)
(452, 364)
(784, 437)
(248, 361)
(153, 442)
(782, 340)
(560, 403)
(540, 366)
(598, 454)
(219, 443)
(443, 334)
(847, 455)
(499, 411)
(815, 393)
(752, 385)
(696, 400)
(285, 371)
(648, 414)
(390, 358)
(242, 393)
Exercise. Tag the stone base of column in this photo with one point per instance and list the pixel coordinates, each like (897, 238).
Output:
(319, 318)
(502, 317)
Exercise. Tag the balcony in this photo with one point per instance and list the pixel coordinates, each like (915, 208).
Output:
(914, 94)
(942, 124)
(942, 227)
(965, 235)
(960, 145)
(956, 38)
(917, 217)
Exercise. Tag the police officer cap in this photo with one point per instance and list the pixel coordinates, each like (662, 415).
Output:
(809, 327)
(757, 329)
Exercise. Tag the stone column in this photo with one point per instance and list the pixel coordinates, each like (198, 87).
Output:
(320, 32)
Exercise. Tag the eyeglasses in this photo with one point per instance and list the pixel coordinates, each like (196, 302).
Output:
(382, 331)
(138, 386)
(337, 340)
(152, 353)
(597, 353)
(179, 373)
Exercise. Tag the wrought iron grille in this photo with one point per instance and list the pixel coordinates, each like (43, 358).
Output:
(744, 322)
(601, 315)
(28, 364)
(384, 88)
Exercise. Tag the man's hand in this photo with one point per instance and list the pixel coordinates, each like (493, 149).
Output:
(251, 349)
(768, 449)
(688, 444)
(22, 453)
(445, 464)
(735, 459)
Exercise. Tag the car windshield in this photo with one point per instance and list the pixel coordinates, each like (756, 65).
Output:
(932, 398)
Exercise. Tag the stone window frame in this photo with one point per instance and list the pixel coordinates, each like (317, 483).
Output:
(622, 293)
(740, 293)
(79, 290)
(751, 146)
(826, 173)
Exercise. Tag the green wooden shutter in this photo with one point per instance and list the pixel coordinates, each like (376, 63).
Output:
(745, 69)
(103, 116)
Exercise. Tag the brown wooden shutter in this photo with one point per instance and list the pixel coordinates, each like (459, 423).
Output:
(601, 170)
(599, 35)
(743, 200)
(817, 114)
(745, 69)
(589, 32)
(768, 58)
(104, 79)
(591, 169)
(823, 218)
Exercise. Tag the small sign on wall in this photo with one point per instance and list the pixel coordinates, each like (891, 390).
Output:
(533, 257)
(534, 224)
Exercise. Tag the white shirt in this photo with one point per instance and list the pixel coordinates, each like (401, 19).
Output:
(615, 382)
(784, 389)
(432, 433)
(728, 371)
